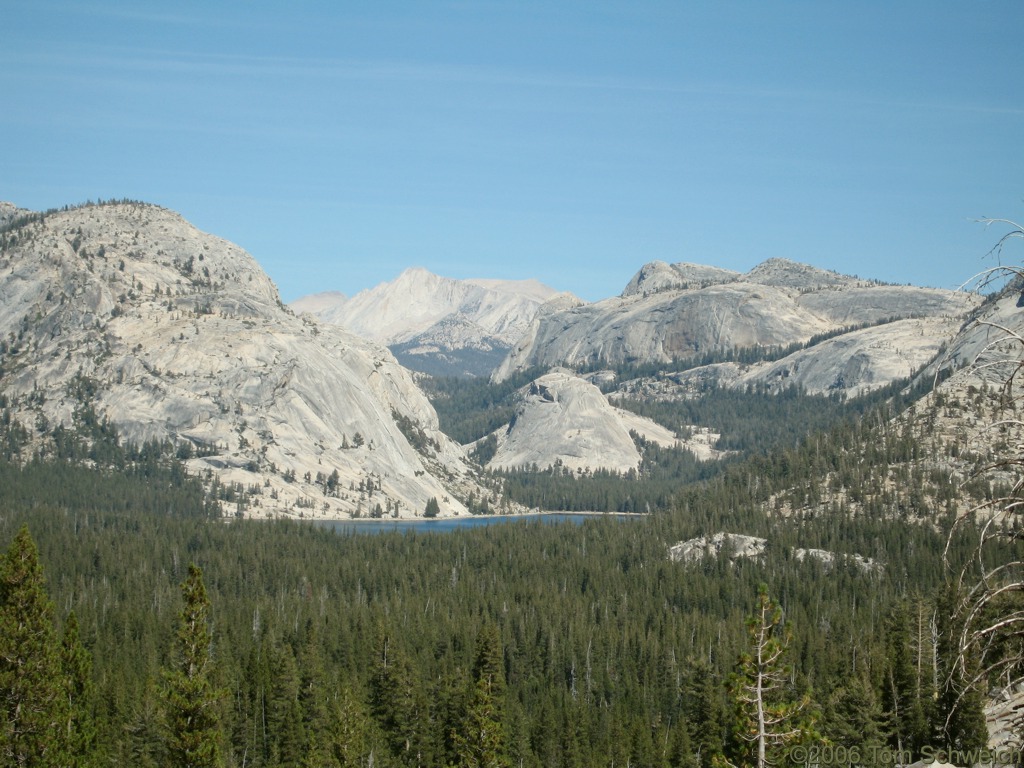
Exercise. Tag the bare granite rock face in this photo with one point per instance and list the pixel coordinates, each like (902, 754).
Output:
(174, 334)
(566, 421)
(990, 341)
(657, 276)
(422, 316)
(734, 545)
(681, 311)
(852, 363)
(9, 212)
(738, 545)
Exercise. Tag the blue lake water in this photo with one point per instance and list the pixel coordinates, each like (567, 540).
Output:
(444, 525)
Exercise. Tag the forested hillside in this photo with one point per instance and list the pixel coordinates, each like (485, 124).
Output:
(140, 625)
(751, 423)
(575, 645)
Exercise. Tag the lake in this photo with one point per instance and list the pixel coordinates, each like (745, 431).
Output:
(446, 524)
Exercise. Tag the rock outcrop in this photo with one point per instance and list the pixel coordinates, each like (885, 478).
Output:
(10, 212)
(565, 421)
(680, 312)
(739, 546)
(852, 363)
(657, 276)
(173, 334)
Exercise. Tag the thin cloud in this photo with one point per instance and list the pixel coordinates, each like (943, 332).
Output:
(190, 63)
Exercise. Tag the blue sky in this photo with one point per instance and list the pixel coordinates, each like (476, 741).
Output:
(341, 142)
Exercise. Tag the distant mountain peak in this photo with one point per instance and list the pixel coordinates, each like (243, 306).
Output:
(439, 323)
(658, 276)
(784, 273)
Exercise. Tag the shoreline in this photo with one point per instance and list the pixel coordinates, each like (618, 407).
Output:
(466, 518)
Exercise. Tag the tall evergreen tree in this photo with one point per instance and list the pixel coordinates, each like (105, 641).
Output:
(193, 701)
(854, 719)
(80, 728)
(396, 703)
(680, 748)
(314, 702)
(351, 742)
(768, 715)
(706, 716)
(907, 721)
(481, 742)
(145, 743)
(33, 708)
(284, 711)
(959, 712)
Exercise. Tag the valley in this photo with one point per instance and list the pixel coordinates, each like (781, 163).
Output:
(787, 437)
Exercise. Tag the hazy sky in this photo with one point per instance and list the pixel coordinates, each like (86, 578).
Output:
(341, 142)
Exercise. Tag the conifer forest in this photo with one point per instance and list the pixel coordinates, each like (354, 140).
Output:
(140, 629)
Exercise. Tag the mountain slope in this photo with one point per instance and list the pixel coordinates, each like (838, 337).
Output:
(852, 363)
(437, 323)
(564, 420)
(174, 334)
(776, 305)
(948, 448)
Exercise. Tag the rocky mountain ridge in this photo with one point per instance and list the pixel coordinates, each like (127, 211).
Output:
(852, 363)
(668, 313)
(658, 276)
(437, 323)
(174, 334)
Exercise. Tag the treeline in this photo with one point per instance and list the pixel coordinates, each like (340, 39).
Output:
(757, 419)
(347, 647)
(33, 217)
(653, 487)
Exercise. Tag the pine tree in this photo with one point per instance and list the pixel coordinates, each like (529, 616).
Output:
(706, 716)
(196, 737)
(680, 751)
(769, 717)
(959, 713)
(313, 699)
(433, 509)
(145, 745)
(33, 708)
(284, 711)
(351, 736)
(854, 718)
(395, 701)
(76, 663)
(481, 742)
(908, 724)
